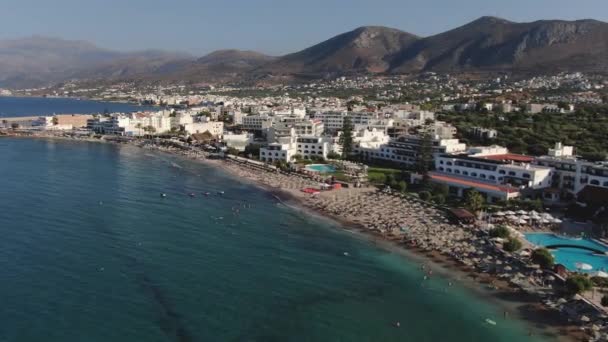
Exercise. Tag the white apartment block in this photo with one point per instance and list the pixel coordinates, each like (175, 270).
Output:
(257, 122)
(312, 146)
(215, 128)
(404, 150)
(277, 152)
(571, 173)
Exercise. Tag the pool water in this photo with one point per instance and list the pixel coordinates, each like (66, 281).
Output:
(321, 168)
(570, 256)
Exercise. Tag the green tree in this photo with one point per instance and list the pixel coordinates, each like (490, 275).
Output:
(424, 195)
(543, 257)
(402, 186)
(439, 199)
(512, 245)
(346, 138)
(500, 232)
(333, 155)
(474, 200)
(604, 301)
(577, 283)
(424, 155)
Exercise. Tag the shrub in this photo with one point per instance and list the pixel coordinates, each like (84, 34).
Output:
(543, 257)
(512, 245)
(604, 301)
(577, 284)
(402, 186)
(439, 199)
(424, 195)
(500, 232)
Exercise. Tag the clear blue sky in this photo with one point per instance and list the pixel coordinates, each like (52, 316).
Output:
(270, 26)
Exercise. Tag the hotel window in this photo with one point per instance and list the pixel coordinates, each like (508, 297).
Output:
(492, 177)
(605, 183)
(473, 174)
(594, 182)
(449, 163)
(511, 173)
(502, 172)
(526, 175)
(457, 172)
(449, 170)
(482, 176)
(466, 173)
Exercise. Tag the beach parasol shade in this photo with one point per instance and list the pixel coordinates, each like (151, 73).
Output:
(533, 212)
(546, 216)
(522, 212)
(521, 221)
(500, 213)
(524, 217)
(513, 218)
(556, 220)
(600, 274)
(509, 212)
(583, 266)
(508, 268)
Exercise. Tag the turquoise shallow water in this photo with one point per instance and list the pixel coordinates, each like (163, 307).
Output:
(570, 257)
(91, 252)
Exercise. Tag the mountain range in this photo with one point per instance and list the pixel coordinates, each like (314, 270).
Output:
(486, 45)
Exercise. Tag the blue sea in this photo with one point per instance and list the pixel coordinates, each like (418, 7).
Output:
(33, 106)
(91, 252)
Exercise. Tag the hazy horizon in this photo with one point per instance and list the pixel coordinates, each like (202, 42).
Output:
(270, 27)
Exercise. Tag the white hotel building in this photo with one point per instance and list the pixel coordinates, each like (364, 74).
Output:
(492, 171)
(571, 173)
(404, 149)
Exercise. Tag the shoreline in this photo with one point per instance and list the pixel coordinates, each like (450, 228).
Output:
(523, 306)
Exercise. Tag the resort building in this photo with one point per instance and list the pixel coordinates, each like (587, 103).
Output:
(492, 171)
(277, 152)
(572, 174)
(312, 146)
(404, 149)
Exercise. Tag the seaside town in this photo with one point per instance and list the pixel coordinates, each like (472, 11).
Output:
(507, 180)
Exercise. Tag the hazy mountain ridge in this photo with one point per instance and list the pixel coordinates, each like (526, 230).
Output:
(487, 44)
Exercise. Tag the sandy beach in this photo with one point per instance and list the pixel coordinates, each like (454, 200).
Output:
(419, 231)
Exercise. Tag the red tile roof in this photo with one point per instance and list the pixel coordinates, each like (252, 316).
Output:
(473, 184)
(509, 157)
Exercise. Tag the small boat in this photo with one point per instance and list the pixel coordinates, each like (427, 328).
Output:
(220, 192)
(163, 195)
(192, 194)
(346, 254)
(489, 321)
(206, 193)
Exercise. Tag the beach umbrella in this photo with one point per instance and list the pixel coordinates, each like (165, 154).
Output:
(583, 266)
(500, 213)
(521, 221)
(556, 220)
(513, 218)
(546, 216)
(544, 221)
(509, 212)
(533, 212)
(524, 217)
(508, 268)
(521, 212)
(600, 274)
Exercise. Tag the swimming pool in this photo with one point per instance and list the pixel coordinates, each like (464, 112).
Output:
(570, 256)
(321, 168)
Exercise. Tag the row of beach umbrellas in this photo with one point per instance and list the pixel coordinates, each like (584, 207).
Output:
(522, 216)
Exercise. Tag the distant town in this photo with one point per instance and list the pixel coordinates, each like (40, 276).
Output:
(519, 160)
